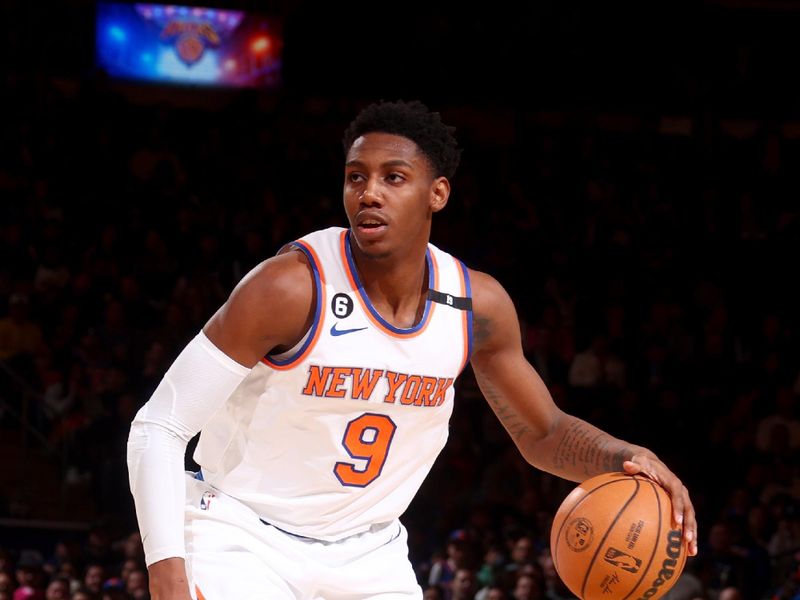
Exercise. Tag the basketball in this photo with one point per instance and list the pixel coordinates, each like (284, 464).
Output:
(612, 538)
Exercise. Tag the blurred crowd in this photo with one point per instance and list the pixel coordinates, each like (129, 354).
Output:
(651, 267)
(94, 568)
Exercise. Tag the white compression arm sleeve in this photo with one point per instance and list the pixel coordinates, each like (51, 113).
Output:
(197, 384)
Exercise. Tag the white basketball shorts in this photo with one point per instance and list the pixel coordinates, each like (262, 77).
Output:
(231, 553)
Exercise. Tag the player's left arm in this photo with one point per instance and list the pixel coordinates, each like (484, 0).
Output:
(549, 438)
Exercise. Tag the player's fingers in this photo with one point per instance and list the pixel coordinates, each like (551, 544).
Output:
(683, 514)
(641, 465)
(631, 467)
(678, 494)
(690, 523)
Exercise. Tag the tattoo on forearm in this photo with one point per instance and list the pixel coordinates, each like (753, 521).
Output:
(589, 449)
(508, 417)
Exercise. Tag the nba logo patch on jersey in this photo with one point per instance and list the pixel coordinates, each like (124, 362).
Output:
(205, 501)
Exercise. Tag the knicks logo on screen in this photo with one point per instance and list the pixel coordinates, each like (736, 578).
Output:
(191, 39)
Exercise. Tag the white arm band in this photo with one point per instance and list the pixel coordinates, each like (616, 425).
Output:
(197, 384)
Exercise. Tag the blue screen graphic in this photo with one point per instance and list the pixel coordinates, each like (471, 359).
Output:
(188, 45)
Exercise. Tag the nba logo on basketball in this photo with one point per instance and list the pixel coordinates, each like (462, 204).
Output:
(622, 560)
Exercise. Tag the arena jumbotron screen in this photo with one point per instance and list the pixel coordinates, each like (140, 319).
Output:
(188, 45)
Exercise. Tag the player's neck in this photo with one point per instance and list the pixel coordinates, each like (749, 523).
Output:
(395, 285)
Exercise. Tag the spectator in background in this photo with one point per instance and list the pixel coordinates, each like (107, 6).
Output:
(6, 584)
(58, 392)
(136, 583)
(28, 593)
(6, 563)
(462, 586)
(597, 367)
(58, 589)
(528, 587)
(99, 549)
(433, 592)
(688, 587)
(30, 575)
(727, 562)
(69, 571)
(493, 560)
(113, 589)
(780, 426)
(554, 587)
(443, 571)
(521, 555)
(129, 566)
(785, 542)
(759, 525)
(51, 275)
(93, 578)
(493, 592)
(131, 547)
(731, 593)
(19, 335)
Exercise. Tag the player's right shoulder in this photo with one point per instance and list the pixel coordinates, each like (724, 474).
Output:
(289, 272)
(271, 307)
(281, 285)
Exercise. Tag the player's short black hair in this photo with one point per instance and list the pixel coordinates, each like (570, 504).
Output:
(412, 120)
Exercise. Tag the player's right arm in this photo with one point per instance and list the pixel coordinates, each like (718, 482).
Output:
(270, 309)
(547, 437)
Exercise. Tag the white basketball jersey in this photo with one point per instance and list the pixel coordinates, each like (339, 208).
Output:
(338, 434)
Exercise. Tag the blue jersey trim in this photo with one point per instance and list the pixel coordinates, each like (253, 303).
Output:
(360, 288)
(468, 291)
(317, 310)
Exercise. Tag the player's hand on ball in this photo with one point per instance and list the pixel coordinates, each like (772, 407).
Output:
(684, 515)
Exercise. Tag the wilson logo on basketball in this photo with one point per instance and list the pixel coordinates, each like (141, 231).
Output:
(579, 534)
(668, 565)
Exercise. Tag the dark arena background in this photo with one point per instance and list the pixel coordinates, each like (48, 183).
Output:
(631, 174)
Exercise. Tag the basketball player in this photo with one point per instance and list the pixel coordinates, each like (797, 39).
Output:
(323, 389)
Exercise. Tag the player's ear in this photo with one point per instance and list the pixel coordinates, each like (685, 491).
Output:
(440, 192)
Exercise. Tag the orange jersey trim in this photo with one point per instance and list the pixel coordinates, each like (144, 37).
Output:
(319, 284)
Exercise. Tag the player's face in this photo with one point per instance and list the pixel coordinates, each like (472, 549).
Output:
(390, 193)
